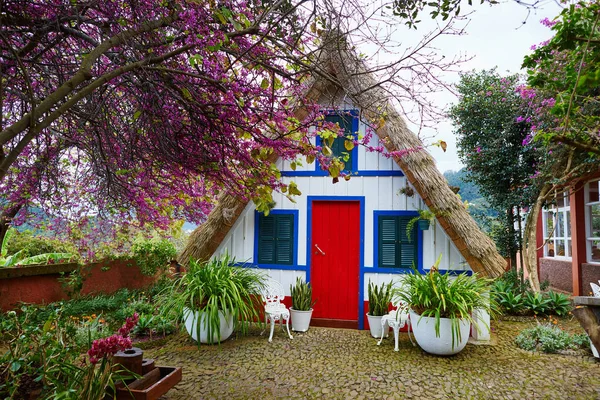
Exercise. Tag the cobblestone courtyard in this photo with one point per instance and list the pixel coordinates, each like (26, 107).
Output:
(341, 364)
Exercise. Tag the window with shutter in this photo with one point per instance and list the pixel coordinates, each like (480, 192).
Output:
(395, 248)
(276, 239)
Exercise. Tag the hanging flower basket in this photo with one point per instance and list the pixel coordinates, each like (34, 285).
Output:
(423, 224)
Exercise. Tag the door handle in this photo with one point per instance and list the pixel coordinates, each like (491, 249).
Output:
(319, 250)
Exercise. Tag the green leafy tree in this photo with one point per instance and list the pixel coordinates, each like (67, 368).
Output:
(491, 129)
(564, 97)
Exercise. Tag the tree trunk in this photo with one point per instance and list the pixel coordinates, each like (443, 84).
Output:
(510, 237)
(5, 220)
(520, 245)
(530, 239)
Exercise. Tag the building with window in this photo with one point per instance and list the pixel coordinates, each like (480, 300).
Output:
(341, 235)
(568, 237)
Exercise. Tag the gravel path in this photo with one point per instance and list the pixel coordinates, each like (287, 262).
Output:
(348, 364)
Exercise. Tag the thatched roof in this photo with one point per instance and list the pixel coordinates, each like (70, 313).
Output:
(348, 74)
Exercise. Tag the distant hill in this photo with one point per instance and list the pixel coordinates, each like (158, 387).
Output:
(468, 190)
(478, 207)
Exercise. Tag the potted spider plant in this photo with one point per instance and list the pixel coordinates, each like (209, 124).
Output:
(215, 297)
(441, 307)
(379, 301)
(302, 305)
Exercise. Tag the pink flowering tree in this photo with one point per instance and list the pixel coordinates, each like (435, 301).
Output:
(121, 112)
(564, 102)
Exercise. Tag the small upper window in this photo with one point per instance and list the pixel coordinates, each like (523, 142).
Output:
(339, 147)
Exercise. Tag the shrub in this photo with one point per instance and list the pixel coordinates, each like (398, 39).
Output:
(510, 302)
(35, 245)
(536, 303)
(153, 255)
(549, 339)
(559, 303)
(97, 304)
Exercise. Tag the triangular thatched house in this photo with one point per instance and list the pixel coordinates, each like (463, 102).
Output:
(340, 236)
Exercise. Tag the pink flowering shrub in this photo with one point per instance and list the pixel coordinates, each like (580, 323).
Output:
(104, 348)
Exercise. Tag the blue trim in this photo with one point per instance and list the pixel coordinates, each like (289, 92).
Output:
(320, 172)
(281, 267)
(403, 271)
(419, 238)
(295, 213)
(361, 245)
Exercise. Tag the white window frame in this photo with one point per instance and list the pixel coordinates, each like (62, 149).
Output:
(565, 210)
(588, 220)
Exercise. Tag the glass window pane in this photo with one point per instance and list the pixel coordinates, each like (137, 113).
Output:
(569, 249)
(568, 224)
(594, 191)
(560, 248)
(594, 212)
(549, 224)
(560, 223)
(549, 249)
(560, 200)
(595, 256)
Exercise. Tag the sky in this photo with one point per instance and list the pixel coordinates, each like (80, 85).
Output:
(495, 37)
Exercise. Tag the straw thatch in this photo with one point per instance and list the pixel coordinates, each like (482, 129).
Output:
(350, 75)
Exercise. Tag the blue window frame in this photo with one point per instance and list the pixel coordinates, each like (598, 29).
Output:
(276, 237)
(393, 247)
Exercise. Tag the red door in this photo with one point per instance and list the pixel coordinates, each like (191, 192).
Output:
(335, 262)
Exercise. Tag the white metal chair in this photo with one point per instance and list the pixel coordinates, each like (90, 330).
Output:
(396, 319)
(273, 295)
(595, 289)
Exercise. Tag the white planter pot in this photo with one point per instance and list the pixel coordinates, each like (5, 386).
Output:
(300, 319)
(375, 326)
(424, 331)
(226, 326)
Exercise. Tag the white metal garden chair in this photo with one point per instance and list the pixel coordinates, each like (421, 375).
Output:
(595, 289)
(396, 319)
(273, 295)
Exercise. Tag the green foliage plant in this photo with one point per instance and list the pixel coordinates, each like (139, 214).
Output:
(559, 303)
(379, 298)
(536, 303)
(24, 256)
(36, 352)
(216, 286)
(510, 302)
(438, 295)
(153, 255)
(549, 338)
(302, 295)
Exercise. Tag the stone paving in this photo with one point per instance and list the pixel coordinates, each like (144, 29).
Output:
(348, 364)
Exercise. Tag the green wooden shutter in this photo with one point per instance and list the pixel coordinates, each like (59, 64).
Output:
(395, 250)
(285, 237)
(276, 239)
(266, 239)
(388, 236)
(408, 249)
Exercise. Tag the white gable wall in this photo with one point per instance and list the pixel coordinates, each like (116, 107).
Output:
(381, 193)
